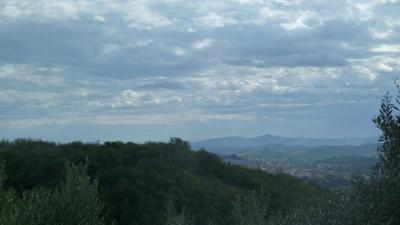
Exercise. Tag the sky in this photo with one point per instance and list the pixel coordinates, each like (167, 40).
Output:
(138, 70)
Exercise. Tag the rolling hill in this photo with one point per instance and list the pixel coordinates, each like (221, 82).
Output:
(232, 145)
(328, 162)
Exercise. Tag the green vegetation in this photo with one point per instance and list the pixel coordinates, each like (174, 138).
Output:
(136, 182)
(168, 183)
(373, 200)
(73, 202)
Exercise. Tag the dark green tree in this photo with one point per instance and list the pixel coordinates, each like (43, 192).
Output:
(73, 202)
(388, 121)
(250, 209)
(378, 196)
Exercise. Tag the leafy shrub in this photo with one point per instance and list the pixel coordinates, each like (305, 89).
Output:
(73, 202)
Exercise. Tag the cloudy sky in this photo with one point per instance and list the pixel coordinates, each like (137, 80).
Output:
(151, 69)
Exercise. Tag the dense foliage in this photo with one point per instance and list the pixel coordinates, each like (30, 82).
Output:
(137, 181)
(73, 202)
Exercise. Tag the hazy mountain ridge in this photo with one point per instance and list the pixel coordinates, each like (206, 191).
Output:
(329, 162)
(233, 145)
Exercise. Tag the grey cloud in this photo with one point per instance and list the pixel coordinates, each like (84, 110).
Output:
(81, 47)
(309, 60)
(163, 84)
(345, 31)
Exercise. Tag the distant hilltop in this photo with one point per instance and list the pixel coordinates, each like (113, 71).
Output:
(220, 145)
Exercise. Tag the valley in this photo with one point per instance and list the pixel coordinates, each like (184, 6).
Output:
(330, 163)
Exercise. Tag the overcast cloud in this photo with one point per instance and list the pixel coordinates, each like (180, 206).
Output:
(151, 69)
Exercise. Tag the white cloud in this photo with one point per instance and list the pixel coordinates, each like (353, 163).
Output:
(298, 22)
(12, 11)
(136, 13)
(141, 17)
(377, 34)
(151, 119)
(62, 9)
(387, 48)
(99, 18)
(7, 71)
(365, 72)
(175, 99)
(385, 67)
(134, 44)
(289, 2)
(134, 98)
(214, 20)
(43, 76)
(250, 2)
(268, 13)
(380, 64)
(203, 44)
(179, 51)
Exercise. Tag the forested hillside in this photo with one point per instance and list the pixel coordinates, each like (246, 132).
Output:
(137, 182)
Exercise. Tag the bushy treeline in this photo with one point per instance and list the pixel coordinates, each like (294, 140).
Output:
(73, 202)
(136, 182)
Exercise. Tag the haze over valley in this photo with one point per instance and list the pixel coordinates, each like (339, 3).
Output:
(328, 162)
(199, 112)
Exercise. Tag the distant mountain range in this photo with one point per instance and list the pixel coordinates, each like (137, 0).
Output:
(327, 162)
(233, 145)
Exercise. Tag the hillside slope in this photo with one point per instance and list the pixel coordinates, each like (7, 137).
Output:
(137, 181)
